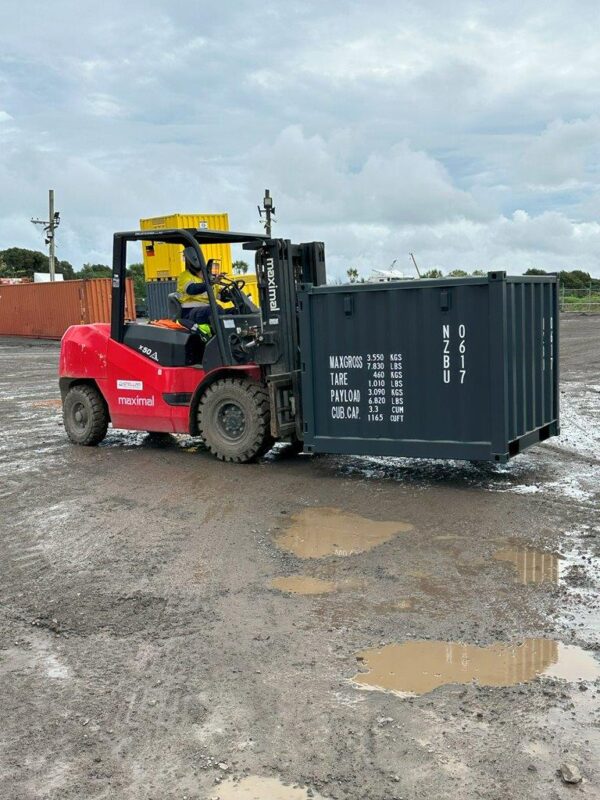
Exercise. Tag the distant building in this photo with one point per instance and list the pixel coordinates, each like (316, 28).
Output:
(44, 277)
(385, 275)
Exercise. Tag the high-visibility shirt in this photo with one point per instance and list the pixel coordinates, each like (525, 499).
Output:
(187, 300)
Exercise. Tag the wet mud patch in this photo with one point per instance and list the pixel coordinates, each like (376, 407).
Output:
(255, 787)
(421, 473)
(93, 613)
(150, 441)
(303, 584)
(531, 565)
(54, 403)
(323, 532)
(579, 583)
(329, 583)
(418, 667)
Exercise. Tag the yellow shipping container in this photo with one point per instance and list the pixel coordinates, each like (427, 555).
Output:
(251, 286)
(164, 261)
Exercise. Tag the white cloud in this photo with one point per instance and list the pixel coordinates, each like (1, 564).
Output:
(564, 155)
(468, 134)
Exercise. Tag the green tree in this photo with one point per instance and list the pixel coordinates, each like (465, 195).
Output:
(457, 273)
(136, 271)
(240, 267)
(94, 271)
(19, 262)
(575, 279)
(480, 273)
(433, 273)
(66, 269)
(352, 274)
(535, 271)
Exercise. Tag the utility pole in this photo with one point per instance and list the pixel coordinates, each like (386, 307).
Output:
(49, 228)
(268, 210)
(415, 263)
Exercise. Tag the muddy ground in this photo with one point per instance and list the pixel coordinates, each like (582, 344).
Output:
(145, 653)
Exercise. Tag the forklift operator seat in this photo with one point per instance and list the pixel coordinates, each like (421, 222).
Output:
(174, 310)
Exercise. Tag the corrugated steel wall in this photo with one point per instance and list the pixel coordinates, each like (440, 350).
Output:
(164, 261)
(156, 294)
(46, 310)
(532, 343)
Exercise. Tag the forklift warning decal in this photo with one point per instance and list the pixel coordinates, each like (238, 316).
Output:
(135, 386)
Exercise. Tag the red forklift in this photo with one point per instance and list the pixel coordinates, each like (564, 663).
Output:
(460, 368)
(238, 388)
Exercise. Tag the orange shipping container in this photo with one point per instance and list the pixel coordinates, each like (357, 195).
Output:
(46, 310)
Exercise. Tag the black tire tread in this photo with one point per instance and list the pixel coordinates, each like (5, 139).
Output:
(262, 441)
(99, 413)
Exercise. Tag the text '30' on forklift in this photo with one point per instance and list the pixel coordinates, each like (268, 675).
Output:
(239, 389)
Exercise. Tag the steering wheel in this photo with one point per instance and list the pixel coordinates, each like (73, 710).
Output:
(225, 280)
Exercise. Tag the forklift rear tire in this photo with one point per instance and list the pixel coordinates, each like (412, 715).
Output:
(85, 415)
(234, 419)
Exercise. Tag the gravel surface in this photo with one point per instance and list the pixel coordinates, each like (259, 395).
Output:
(145, 652)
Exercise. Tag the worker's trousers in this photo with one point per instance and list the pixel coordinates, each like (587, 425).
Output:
(200, 314)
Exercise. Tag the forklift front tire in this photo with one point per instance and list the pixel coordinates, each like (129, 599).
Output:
(85, 415)
(234, 419)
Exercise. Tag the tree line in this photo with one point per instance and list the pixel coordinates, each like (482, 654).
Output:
(18, 262)
(575, 280)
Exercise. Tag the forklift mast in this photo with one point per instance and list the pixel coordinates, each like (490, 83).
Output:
(282, 268)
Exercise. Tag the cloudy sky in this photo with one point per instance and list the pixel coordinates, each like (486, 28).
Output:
(467, 132)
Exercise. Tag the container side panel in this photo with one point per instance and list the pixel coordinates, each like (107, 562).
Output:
(130, 314)
(164, 261)
(97, 299)
(40, 310)
(156, 294)
(511, 350)
(538, 364)
(398, 364)
(532, 356)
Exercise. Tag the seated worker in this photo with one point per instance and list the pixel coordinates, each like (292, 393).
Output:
(192, 289)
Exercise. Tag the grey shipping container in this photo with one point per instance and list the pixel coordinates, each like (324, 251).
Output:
(462, 368)
(156, 297)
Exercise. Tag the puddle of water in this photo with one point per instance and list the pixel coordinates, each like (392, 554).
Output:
(255, 787)
(531, 565)
(303, 584)
(415, 668)
(322, 532)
